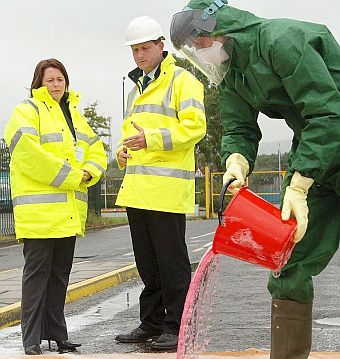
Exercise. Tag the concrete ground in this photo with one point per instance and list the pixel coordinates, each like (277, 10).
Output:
(249, 354)
(86, 280)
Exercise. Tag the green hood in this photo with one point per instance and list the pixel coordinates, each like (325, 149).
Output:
(229, 19)
(240, 25)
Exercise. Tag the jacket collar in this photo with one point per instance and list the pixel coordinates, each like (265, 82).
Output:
(43, 95)
(135, 74)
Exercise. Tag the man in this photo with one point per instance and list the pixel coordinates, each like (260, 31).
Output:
(164, 120)
(285, 69)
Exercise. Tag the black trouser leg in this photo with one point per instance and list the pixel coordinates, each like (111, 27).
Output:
(163, 263)
(151, 302)
(55, 323)
(38, 261)
(46, 272)
(168, 234)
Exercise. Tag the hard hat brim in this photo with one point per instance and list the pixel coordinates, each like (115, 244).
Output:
(144, 39)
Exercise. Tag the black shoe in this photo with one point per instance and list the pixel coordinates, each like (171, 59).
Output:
(33, 350)
(137, 335)
(66, 345)
(165, 342)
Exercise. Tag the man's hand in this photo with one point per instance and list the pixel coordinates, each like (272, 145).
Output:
(295, 202)
(86, 176)
(237, 167)
(136, 142)
(122, 157)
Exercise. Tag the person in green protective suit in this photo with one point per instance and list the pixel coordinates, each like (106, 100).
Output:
(285, 69)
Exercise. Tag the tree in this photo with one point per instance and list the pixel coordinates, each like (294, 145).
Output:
(4, 156)
(207, 151)
(99, 124)
(271, 162)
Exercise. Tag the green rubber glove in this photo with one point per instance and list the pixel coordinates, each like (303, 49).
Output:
(295, 203)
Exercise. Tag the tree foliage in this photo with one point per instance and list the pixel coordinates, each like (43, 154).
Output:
(207, 151)
(4, 156)
(99, 124)
(271, 162)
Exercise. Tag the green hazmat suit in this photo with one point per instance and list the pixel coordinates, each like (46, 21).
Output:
(291, 70)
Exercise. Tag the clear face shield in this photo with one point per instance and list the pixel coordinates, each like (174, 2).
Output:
(191, 35)
(212, 56)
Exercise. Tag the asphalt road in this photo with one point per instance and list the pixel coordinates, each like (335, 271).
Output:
(114, 244)
(239, 317)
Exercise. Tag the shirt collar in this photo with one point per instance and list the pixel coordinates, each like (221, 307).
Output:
(151, 74)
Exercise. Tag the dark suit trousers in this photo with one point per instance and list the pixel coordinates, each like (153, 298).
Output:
(162, 261)
(48, 264)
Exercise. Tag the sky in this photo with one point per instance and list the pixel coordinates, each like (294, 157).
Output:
(88, 38)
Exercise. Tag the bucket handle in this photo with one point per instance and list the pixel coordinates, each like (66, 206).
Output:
(222, 195)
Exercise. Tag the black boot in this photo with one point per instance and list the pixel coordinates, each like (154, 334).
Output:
(67, 345)
(291, 330)
(33, 350)
(166, 342)
(137, 335)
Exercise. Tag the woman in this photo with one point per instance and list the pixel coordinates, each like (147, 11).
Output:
(55, 156)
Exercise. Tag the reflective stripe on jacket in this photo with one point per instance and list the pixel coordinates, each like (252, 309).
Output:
(49, 199)
(171, 112)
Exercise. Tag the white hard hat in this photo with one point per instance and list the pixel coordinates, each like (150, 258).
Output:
(143, 29)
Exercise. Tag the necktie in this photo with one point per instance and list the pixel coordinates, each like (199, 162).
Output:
(146, 80)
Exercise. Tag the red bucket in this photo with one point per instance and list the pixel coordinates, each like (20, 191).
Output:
(251, 229)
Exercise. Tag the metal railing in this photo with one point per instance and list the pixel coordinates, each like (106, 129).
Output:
(6, 207)
(266, 184)
(110, 187)
(109, 190)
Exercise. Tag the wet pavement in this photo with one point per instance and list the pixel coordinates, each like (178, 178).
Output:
(249, 354)
(97, 259)
(241, 317)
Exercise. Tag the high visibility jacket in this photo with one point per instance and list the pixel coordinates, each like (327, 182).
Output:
(46, 166)
(161, 177)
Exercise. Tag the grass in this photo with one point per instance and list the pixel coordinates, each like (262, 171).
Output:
(96, 222)
(6, 238)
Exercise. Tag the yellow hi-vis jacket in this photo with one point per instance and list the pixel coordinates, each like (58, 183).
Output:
(46, 166)
(161, 177)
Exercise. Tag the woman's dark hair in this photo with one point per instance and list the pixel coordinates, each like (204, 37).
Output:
(40, 69)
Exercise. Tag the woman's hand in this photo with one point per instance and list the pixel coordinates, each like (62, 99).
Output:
(86, 176)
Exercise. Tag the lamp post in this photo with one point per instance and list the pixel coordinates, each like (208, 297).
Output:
(123, 96)
(279, 157)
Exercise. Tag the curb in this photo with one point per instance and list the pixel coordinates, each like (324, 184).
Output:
(96, 284)
(11, 314)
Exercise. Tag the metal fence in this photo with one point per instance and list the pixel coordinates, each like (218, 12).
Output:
(94, 198)
(103, 195)
(109, 191)
(6, 207)
(110, 187)
(266, 184)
